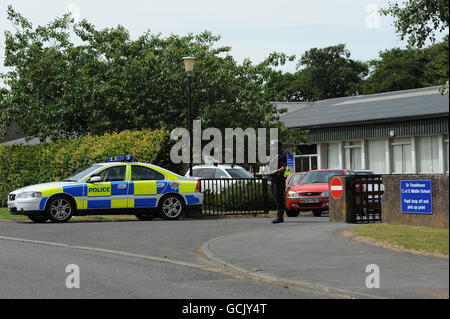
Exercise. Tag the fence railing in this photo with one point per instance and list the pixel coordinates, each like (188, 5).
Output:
(235, 196)
(368, 191)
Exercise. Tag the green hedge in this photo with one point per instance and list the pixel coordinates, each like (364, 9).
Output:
(22, 165)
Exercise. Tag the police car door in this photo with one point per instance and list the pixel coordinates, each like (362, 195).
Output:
(143, 187)
(111, 192)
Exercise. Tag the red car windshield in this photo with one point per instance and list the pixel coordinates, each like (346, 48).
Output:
(319, 176)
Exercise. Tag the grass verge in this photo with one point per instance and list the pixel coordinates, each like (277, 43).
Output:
(418, 238)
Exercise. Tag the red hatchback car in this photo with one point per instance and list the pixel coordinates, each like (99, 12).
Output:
(312, 192)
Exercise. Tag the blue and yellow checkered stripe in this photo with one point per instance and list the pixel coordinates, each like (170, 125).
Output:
(123, 194)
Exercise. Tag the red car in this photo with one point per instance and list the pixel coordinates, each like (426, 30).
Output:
(293, 179)
(312, 192)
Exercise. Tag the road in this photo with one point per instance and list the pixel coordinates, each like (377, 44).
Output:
(38, 270)
(207, 258)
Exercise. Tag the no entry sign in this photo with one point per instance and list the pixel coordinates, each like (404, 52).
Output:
(336, 188)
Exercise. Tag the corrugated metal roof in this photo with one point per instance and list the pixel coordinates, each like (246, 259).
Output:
(291, 106)
(423, 102)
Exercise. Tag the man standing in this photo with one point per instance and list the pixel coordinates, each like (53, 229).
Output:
(277, 166)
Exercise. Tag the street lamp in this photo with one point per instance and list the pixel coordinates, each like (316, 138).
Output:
(189, 66)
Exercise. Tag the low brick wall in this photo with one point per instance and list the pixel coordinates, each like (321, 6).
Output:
(392, 206)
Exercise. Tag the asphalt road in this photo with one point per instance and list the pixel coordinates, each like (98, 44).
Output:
(30, 270)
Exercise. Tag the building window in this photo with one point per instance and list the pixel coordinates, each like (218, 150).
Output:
(304, 163)
(377, 156)
(333, 155)
(353, 155)
(401, 156)
(428, 154)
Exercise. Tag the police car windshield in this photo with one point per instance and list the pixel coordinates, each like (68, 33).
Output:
(319, 177)
(79, 177)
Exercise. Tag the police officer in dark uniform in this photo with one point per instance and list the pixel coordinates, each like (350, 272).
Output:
(277, 166)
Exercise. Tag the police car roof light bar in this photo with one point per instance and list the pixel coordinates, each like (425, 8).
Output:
(120, 159)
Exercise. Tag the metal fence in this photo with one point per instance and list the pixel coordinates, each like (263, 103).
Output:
(368, 192)
(235, 196)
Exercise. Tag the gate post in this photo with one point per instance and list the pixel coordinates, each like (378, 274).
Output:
(342, 209)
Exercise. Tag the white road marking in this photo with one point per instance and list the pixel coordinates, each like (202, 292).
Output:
(114, 252)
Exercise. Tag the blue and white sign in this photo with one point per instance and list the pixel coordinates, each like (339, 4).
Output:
(290, 159)
(416, 197)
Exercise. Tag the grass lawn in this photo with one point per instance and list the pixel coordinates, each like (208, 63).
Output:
(4, 214)
(426, 239)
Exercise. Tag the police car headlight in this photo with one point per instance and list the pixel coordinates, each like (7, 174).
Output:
(26, 195)
(325, 194)
(292, 194)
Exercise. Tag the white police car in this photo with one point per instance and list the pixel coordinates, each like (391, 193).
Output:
(118, 186)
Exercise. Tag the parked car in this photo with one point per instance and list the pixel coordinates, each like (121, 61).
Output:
(293, 179)
(229, 174)
(312, 193)
(120, 185)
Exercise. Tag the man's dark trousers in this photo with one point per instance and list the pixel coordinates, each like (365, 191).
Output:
(278, 187)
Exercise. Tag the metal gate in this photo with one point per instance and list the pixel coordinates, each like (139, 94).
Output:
(235, 196)
(368, 192)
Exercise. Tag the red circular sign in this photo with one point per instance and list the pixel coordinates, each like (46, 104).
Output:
(336, 188)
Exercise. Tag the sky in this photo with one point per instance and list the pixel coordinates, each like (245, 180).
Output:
(253, 28)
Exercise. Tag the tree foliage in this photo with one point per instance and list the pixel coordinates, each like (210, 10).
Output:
(322, 73)
(419, 20)
(401, 69)
(111, 82)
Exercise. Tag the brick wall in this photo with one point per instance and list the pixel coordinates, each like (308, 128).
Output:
(391, 203)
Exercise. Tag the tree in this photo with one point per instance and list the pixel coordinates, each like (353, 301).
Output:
(322, 73)
(280, 87)
(401, 69)
(419, 20)
(329, 73)
(111, 82)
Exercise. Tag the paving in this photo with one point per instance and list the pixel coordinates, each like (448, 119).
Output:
(312, 252)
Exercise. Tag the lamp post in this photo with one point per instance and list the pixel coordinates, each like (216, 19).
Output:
(189, 66)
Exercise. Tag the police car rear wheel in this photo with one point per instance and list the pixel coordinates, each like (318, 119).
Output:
(38, 218)
(60, 209)
(171, 207)
(146, 216)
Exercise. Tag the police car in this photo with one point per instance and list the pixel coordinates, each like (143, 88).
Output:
(118, 186)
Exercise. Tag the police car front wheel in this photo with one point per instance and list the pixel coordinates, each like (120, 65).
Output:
(60, 209)
(171, 207)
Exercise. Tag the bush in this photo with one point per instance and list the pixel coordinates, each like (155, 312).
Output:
(23, 165)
